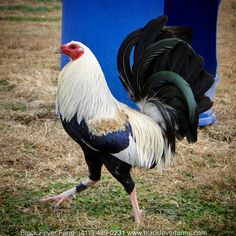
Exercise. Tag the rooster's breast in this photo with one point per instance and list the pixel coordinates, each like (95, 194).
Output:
(99, 137)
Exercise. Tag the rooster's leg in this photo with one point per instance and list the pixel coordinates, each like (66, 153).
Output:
(136, 210)
(67, 195)
(121, 171)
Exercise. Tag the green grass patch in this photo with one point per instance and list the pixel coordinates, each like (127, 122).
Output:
(27, 8)
(18, 106)
(5, 85)
(50, 107)
(191, 208)
(22, 212)
(109, 202)
(19, 214)
(211, 161)
(98, 203)
(31, 19)
(47, 1)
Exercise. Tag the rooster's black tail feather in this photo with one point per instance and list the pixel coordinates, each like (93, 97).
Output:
(167, 73)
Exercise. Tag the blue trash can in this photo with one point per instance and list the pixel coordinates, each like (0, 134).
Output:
(201, 16)
(103, 24)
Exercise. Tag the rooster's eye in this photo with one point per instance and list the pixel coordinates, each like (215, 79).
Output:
(73, 46)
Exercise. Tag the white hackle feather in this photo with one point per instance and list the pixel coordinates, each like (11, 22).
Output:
(150, 142)
(82, 89)
(151, 110)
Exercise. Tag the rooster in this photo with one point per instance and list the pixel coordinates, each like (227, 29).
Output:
(166, 80)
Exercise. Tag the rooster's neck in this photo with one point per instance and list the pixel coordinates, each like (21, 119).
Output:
(82, 89)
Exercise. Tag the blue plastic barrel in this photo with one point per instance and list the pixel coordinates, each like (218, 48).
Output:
(102, 25)
(201, 16)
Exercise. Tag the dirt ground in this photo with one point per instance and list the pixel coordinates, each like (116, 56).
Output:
(37, 158)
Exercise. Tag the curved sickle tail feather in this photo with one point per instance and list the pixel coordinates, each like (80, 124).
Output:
(167, 79)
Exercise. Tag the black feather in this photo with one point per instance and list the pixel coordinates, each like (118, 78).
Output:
(204, 103)
(123, 61)
(195, 66)
(182, 32)
(167, 71)
(178, 57)
(160, 63)
(168, 119)
(202, 84)
(164, 34)
(150, 33)
(151, 53)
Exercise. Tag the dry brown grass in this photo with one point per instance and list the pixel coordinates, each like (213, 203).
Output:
(38, 158)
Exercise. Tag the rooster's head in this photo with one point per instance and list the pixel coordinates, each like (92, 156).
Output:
(72, 49)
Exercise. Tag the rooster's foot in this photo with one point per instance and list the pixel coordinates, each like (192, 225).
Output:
(59, 199)
(67, 195)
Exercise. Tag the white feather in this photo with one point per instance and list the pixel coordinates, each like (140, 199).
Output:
(82, 89)
(151, 110)
(129, 155)
(151, 145)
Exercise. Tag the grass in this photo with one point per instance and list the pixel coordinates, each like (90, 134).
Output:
(38, 159)
(27, 8)
(5, 85)
(28, 18)
(195, 210)
(18, 106)
(25, 213)
(29, 12)
(47, 1)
